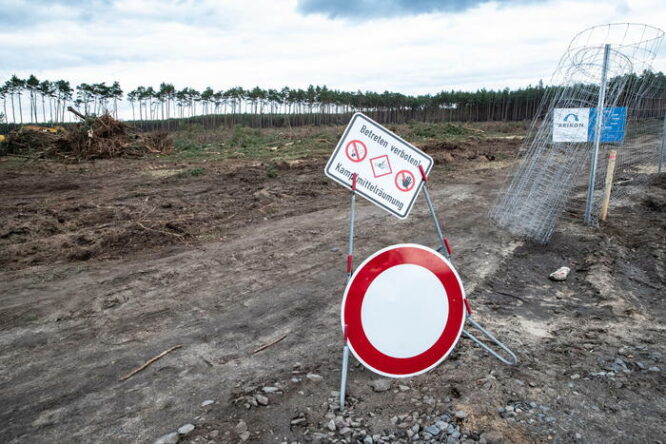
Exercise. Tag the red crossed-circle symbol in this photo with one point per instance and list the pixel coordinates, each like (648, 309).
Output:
(404, 180)
(356, 151)
(353, 314)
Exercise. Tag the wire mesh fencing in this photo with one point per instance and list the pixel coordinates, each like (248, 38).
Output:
(604, 68)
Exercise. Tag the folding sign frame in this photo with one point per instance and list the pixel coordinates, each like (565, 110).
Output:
(445, 249)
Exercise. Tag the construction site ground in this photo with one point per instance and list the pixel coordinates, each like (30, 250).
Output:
(108, 264)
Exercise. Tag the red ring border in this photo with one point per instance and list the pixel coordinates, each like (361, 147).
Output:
(395, 181)
(364, 147)
(352, 302)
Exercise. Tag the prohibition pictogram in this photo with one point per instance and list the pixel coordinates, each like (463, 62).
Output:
(356, 151)
(404, 180)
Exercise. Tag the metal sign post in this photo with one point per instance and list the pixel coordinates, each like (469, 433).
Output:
(597, 137)
(662, 150)
(438, 229)
(350, 260)
(445, 249)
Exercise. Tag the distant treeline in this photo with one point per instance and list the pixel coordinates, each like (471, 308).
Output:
(33, 101)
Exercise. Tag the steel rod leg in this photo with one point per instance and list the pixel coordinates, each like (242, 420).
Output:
(350, 259)
(350, 249)
(435, 220)
(513, 359)
(662, 149)
(343, 375)
(446, 250)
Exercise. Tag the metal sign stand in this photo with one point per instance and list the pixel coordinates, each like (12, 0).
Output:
(589, 202)
(662, 150)
(445, 249)
(350, 260)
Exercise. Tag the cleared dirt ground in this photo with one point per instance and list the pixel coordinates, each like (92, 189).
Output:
(106, 265)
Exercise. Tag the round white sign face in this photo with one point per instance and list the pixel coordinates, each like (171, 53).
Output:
(402, 326)
(403, 310)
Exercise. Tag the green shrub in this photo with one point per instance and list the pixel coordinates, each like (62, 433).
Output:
(271, 171)
(194, 172)
(246, 137)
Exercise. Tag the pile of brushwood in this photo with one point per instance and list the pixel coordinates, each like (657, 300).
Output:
(94, 138)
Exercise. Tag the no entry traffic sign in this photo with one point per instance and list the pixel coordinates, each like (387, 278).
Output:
(386, 166)
(403, 310)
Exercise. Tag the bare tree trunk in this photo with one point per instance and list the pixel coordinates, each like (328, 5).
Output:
(13, 111)
(20, 108)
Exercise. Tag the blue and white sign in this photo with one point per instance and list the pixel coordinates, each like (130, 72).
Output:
(578, 124)
(613, 124)
(571, 124)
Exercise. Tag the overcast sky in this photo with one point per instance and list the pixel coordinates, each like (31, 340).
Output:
(414, 47)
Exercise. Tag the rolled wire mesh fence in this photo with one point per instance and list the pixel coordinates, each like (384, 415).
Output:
(557, 151)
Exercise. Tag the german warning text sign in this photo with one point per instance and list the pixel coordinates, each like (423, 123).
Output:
(387, 167)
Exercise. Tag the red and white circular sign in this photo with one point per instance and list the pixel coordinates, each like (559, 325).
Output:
(356, 151)
(403, 310)
(404, 180)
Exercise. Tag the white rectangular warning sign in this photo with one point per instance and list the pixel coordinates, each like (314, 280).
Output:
(387, 166)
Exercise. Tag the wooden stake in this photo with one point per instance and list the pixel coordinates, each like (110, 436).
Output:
(150, 361)
(612, 155)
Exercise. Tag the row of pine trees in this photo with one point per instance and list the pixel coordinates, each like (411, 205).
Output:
(47, 102)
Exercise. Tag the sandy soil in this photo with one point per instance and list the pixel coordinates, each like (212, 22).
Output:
(106, 265)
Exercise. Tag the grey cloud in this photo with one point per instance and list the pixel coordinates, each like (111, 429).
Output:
(22, 14)
(16, 14)
(369, 9)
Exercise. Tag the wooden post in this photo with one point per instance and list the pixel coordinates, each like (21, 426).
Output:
(612, 155)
